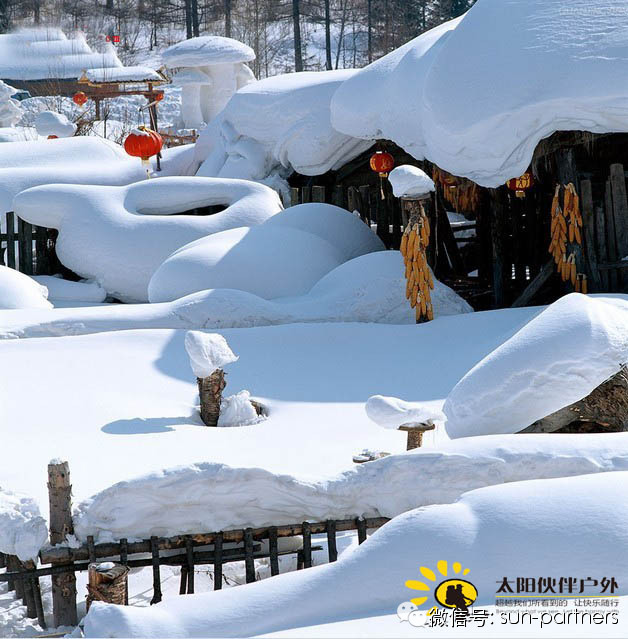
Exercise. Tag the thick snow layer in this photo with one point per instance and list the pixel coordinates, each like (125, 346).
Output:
(237, 410)
(61, 290)
(218, 497)
(280, 258)
(400, 76)
(207, 352)
(20, 291)
(392, 412)
(10, 109)
(556, 359)
(49, 54)
(207, 50)
(476, 95)
(118, 236)
(134, 398)
(280, 123)
(75, 160)
(51, 123)
(23, 531)
(123, 74)
(492, 532)
(410, 181)
(370, 288)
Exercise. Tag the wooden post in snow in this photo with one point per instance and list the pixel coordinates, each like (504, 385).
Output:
(60, 500)
(415, 433)
(107, 582)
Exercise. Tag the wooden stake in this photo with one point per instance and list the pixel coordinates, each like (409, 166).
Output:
(415, 433)
(106, 583)
(60, 501)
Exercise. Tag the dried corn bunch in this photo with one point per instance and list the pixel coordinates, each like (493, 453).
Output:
(566, 223)
(461, 193)
(419, 282)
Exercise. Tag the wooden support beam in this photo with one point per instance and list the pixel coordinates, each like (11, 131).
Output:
(218, 553)
(332, 550)
(157, 596)
(589, 219)
(249, 561)
(361, 526)
(189, 551)
(272, 547)
(307, 544)
(535, 285)
(501, 267)
(60, 502)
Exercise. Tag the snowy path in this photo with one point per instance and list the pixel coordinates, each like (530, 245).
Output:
(129, 397)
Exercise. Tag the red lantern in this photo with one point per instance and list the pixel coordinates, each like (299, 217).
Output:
(79, 98)
(53, 137)
(521, 184)
(159, 97)
(143, 143)
(382, 162)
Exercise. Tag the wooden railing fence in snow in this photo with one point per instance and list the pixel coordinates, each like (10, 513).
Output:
(26, 247)
(62, 562)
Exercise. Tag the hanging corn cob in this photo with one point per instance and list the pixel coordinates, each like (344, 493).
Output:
(419, 282)
(565, 226)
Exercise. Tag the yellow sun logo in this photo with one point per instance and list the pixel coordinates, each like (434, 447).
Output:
(452, 592)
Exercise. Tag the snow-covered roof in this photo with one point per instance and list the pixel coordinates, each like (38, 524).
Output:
(49, 54)
(123, 74)
(476, 95)
(207, 50)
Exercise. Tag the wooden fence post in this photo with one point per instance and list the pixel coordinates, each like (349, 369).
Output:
(64, 584)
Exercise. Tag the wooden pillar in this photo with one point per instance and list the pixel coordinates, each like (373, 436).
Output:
(63, 584)
(501, 269)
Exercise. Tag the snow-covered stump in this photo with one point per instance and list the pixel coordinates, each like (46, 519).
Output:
(604, 410)
(415, 433)
(60, 501)
(210, 392)
(209, 353)
(107, 582)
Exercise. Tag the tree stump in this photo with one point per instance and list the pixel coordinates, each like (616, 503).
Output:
(604, 410)
(415, 433)
(210, 392)
(107, 582)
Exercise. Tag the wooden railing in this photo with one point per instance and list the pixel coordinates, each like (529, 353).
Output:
(26, 247)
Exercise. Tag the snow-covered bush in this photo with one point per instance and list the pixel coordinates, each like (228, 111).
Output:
(51, 123)
(10, 110)
(280, 258)
(118, 236)
(20, 291)
(556, 359)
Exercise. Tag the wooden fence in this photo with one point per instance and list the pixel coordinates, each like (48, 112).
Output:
(26, 247)
(62, 562)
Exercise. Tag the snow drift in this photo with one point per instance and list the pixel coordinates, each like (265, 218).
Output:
(20, 291)
(210, 496)
(493, 532)
(280, 258)
(477, 106)
(280, 124)
(118, 236)
(370, 288)
(23, 531)
(558, 358)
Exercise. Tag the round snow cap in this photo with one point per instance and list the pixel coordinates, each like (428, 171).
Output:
(205, 51)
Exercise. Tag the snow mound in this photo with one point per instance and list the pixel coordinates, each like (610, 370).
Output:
(220, 497)
(480, 532)
(207, 352)
(237, 410)
(23, 531)
(556, 359)
(10, 109)
(51, 123)
(279, 258)
(205, 50)
(20, 291)
(454, 98)
(118, 236)
(279, 124)
(391, 412)
(410, 181)
(62, 290)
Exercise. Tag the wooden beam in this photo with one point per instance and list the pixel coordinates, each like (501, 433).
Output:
(535, 285)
